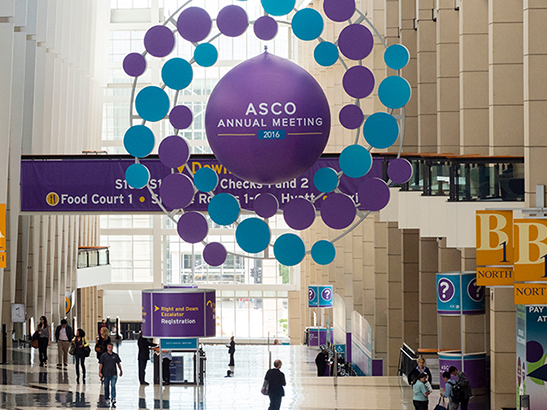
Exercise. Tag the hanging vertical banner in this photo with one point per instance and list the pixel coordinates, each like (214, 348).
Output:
(530, 250)
(494, 238)
(495, 248)
(531, 354)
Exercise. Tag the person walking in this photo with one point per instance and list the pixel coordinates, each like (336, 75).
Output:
(463, 381)
(321, 361)
(63, 336)
(43, 340)
(420, 400)
(276, 381)
(81, 351)
(108, 371)
(102, 341)
(144, 355)
(231, 350)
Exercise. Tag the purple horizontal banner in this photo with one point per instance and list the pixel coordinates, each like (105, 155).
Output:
(98, 185)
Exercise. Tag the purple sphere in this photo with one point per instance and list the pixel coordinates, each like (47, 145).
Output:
(265, 28)
(267, 120)
(192, 227)
(355, 41)
(214, 254)
(176, 191)
(174, 151)
(159, 41)
(299, 213)
(266, 205)
(358, 82)
(338, 211)
(351, 116)
(180, 117)
(194, 24)
(232, 21)
(373, 194)
(134, 64)
(399, 170)
(339, 10)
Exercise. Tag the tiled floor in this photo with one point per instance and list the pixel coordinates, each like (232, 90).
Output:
(25, 385)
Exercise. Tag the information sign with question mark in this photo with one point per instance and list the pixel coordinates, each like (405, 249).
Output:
(325, 298)
(313, 299)
(445, 290)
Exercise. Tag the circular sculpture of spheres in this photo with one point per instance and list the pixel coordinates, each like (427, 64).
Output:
(267, 120)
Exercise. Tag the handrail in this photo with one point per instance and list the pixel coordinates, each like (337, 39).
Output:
(92, 256)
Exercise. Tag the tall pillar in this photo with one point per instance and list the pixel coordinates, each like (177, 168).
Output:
(380, 273)
(428, 258)
(426, 55)
(505, 77)
(449, 330)
(474, 135)
(535, 97)
(448, 78)
(409, 281)
(369, 276)
(408, 37)
(502, 348)
(394, 296)
(475, 327)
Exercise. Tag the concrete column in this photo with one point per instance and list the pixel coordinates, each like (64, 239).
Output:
(503, 348)
(394, 298)
(474, 132)
(474, 327)
(369, 276)
(505, 37)
(450, 326)
(428, 260)
(448, 78)
(426, 55)
(408, 37)
(410, 281)
(535, 97)
(380, 308)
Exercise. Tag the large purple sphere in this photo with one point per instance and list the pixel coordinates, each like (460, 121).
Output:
(267, 120)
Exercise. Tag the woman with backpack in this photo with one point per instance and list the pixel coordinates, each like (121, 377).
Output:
(448, 391)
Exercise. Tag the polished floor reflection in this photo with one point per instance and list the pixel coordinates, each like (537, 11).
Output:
(25, 385)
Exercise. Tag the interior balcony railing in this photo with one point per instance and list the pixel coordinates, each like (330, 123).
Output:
(91, 256)
(464, 177)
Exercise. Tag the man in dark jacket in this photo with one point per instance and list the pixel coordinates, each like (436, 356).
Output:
(144, 356)
(63, 336)
(321, 362)
(231, 350)
(463, 382)
(276, 381)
